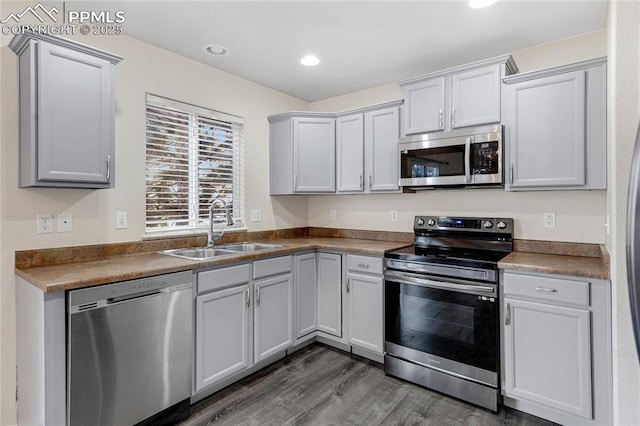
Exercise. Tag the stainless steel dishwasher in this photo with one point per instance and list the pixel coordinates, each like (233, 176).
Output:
(129, 351)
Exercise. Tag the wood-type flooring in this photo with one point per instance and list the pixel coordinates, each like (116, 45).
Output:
(319, 385)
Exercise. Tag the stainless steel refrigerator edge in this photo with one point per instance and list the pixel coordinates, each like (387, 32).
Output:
(633, 242)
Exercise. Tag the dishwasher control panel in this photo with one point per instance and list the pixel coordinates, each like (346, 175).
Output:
(108, 294)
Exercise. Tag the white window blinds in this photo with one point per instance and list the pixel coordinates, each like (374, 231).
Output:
(194, 155)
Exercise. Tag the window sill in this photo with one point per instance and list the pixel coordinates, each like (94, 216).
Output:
(157, 235)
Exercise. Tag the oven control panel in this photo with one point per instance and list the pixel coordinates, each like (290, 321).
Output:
(473, 224)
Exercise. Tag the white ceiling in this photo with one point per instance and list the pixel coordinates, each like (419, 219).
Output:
(360, 43)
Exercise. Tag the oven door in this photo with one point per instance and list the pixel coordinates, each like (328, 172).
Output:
(447, 326)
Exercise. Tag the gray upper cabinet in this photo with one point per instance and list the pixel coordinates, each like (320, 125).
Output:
(302, 153)
(424, 106)
(67, 113)
(468, 95)
(555, 128)
(367, 149)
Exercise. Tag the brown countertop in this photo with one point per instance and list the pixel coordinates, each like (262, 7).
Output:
(579, 266)
(69, 268)
(87, 273)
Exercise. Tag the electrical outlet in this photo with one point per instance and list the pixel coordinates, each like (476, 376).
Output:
(44, 223)
(121, 220)
(394, 215)
(332, 214)
(65, 222)
(549, 220)
(256, 215)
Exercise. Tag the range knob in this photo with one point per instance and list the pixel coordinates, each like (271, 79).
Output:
(487, 224)
(420, 222)
(431, 222)
(501, 225)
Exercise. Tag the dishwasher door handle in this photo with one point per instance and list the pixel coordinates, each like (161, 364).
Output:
(112, 300)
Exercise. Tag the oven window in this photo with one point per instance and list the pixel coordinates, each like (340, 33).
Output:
(457, 326)
(432, 162)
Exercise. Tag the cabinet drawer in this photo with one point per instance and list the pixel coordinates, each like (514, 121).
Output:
(555, 289)
(269, 267)
(366, 264)
(223, 278)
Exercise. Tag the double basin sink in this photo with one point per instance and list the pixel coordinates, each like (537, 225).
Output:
(204, 253)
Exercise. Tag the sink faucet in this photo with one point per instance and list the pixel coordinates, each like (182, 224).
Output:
(211, 236)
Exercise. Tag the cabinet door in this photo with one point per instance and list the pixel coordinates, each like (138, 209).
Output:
(330, 293)
(305, 293)
(475, 97)
(424, 106)
(364, 298)
(381, 133)
(222, 335)
(272, 316)
(350, 153)
(547, 131)
(75, 116)
(548, 355)
(314, 149)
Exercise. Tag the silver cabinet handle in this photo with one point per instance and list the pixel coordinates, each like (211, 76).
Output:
(363, 265)
(361, 182)
(348, 282)
(511, 175)
(108, 168)
(370, 181)
(467, 160)
(546, 290)
(295, 182)
(507, 315)
(453, 116)
(440, 123)
(248, 298)
(257, 296)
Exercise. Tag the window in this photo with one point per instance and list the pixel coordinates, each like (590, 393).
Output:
(194, 155)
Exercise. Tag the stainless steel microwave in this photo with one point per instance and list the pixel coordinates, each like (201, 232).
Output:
(463, 157)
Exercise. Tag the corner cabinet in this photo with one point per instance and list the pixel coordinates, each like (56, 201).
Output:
(67, 113)
(557, 342)
(555, 126)
(302, 153)
(366, 145)
(468, 95)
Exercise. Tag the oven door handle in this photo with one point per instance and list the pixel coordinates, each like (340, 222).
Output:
(464, 288)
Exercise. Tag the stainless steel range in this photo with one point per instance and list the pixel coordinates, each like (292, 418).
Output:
(441, 306)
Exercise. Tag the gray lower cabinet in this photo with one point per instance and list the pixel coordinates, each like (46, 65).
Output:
(273, 308)
(364, 302)
(555, 128)
(223, 324)
(329, 293)
(243, 315)
(67, 113)
(223, 327)
(305, 290)
(556, 347)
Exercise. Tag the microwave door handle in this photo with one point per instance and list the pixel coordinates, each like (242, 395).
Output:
(467, 160)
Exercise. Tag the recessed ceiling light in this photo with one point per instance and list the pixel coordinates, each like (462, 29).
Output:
(310, 61)
(216, 50)
(479, 4)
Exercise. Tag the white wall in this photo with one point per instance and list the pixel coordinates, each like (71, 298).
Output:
(580, 215)
(144, 69)
(623, 31)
